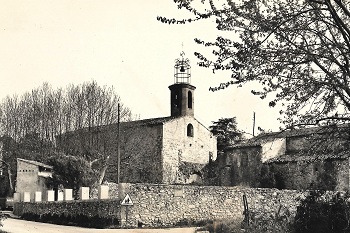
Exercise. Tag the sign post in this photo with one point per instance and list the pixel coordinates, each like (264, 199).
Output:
(126, 202)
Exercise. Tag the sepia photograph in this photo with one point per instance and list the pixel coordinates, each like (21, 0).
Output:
(175, 116)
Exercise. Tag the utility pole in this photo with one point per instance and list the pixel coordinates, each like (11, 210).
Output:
(118, 145)
(253, 124)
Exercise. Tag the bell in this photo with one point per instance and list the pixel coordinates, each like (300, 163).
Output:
(182, 69)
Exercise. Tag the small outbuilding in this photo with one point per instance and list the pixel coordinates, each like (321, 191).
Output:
(32, 176)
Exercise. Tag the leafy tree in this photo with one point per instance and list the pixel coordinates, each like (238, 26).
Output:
(226, 131)
(298, 51)
(71, 172)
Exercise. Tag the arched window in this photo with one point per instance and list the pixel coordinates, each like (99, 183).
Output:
(190, 130)
(189, 99)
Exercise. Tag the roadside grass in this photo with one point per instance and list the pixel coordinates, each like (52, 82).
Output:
(223, 226)
(213, 226)
(2, 217)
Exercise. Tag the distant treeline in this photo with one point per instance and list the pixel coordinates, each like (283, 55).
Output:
(48, 112)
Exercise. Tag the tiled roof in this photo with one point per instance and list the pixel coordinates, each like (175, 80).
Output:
(146, 122)
(127, 124)
(35, 163)
(130, 124)
(245, 144)
(265, 137)
(309, 158)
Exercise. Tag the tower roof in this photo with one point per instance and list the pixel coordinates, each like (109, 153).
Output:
(182, 69)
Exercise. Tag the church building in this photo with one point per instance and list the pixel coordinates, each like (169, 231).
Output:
(165, 150)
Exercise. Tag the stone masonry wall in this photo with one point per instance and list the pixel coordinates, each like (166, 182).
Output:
(140, 149)
(167, 205)
(325, 175)
(240, 167)
(178, 148)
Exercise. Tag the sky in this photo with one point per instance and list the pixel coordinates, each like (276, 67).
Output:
(121, 44)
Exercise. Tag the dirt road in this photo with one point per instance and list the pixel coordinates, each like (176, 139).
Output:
(22, 226)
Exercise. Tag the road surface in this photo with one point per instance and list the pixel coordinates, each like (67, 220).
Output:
(21, 226)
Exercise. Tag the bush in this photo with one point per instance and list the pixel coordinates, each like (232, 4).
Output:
(78, 220)
(317, 214)
(92, 213)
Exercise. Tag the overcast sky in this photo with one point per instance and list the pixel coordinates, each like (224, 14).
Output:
(121, 44)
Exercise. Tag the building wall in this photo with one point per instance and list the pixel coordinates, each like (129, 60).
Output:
(332, 174)
(180, 150)
(298, 162)
(140, 150)
(28, 179)
(243, 166)
(272, 149)
(319, 142)
(296, 144)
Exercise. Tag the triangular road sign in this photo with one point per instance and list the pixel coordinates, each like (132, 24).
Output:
(127, 200)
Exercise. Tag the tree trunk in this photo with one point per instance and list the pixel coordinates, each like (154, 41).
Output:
(103, 170)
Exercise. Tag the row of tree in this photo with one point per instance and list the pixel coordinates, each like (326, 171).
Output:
(48, 112)
(30, 123)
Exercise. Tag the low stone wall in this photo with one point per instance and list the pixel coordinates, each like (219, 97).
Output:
(168, 205)
(156, 205)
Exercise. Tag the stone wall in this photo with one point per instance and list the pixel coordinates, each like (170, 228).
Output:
(331, 174)
(302, 161)
(181, 150)
(242, 165)
(168, 205)
(141, 152)
(140, 149)
(152, 150)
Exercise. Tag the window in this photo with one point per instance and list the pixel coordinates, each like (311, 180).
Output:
(175, 100)
(190, 130)
(189, 99)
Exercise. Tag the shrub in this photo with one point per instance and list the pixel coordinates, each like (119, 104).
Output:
(92, 213)
(317, 214)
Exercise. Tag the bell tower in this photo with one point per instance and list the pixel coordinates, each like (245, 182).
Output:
(182, 92)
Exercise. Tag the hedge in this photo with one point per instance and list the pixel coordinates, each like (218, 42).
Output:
(89, 213)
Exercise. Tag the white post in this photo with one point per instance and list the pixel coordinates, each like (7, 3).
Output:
(103, 192)
(16, 197)
(38, 197)
(84, 193)
(50, 195)
(26, 197)
(60, 195)
(68, 194)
